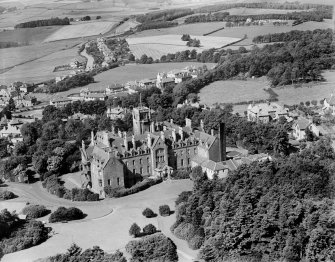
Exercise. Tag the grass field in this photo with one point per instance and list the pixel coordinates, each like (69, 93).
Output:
(80, 30)
(122, 75)
(28, 35)
(233, 91)
(235, 32)
(156, 46)
(40, 69)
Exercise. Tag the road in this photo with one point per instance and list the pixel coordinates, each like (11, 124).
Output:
(107, 223)
(90, 59)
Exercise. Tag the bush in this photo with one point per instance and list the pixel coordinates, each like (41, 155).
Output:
(35, 211)
(184, 231)
(66, 214)
(134, 230)
(164, 210)
(156, 247)
(120, 192)
(6, 195)
(181, 174)
(148, 213)
(183, 197)
(149, 229)
(196, 242)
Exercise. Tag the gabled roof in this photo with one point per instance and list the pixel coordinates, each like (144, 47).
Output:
(168, 80)
(205, 138)
(302, 123)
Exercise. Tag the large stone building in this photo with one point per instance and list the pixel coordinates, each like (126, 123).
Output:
(118, 159)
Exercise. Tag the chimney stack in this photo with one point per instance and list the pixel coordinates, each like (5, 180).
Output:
(120, 133)
(125, 141)
(212, 132)
(202, 125)
(152, 127)
(149, 140)
(171, 121)
(92, 138)
(174, 135)
(188, 122)
(133, 141)
(181, 133)
(163, 136)
(222, 139)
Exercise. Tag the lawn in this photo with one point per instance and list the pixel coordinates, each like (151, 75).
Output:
(124, 74)
(80, 30)
(233, 91)
(156, 46)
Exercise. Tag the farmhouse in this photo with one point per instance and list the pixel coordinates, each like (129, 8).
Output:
(300, 127)
(24, 101)
(147, 83)
(154, 150)
(266, 112)
(329, 105)
(115, 89)
(12, 130)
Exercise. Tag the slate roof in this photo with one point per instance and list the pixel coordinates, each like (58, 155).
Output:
(302, 123)
(168, 80)
(264, 109)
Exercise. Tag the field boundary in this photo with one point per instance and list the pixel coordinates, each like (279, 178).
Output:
(214, 31)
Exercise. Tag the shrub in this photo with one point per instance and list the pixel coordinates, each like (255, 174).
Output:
(181, 174)
(120, 192)
(156, 247)
(148, 213)
(184, 231)
(196, 242)
(149, 229)
(66, 214)
(35, 211)
(164, 210)
(6, 195)
(134, 230)
(183, 197)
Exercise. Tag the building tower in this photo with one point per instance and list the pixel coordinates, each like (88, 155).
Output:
(141, 120)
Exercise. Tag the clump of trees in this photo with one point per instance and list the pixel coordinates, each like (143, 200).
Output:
(193, 42)
(6, 195)
(156, 25)
(70, 82)
(268, 210)
(76, 254)
(16, 234)
(185, 37)
(156, 247)
(66, 214)
(165, 15)
(45, 22)
(35, 211)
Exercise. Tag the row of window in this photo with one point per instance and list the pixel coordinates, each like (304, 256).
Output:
(109, 182)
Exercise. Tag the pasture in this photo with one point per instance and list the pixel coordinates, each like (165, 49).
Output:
(234, 32)
(233, 91)
(40, 69)
(123, 74)
(80, 30)
(156, 46)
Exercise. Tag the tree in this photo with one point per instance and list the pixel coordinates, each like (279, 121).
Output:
(307, 103)
(143, 59)
(314, 102)
(134, 230)
(131, 57)
(148, 213)
(164, 210)
(55, 164)
(98, 17)
(185, 37)
(149, 229)
(11, 104)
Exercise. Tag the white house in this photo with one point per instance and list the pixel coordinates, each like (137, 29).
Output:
(301, 125)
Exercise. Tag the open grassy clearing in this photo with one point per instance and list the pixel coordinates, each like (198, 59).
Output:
(124, 74)
(28, 35)
(156, 46)
(233, 91)
(41, 69)
(19, 55)
(80, 30)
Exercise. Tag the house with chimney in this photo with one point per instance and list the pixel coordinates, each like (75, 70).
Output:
(329, 105)
(154, 149)
(266, 112)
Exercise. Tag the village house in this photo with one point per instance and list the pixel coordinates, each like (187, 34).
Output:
(115, 113)
(147, 83)
(60, 102)
(24, 101)
(329, 105)
(301, 125)
(115, 89)
(266, 112)
(12, 130)
(118, 159)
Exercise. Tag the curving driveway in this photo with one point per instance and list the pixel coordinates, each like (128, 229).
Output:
(103, 228)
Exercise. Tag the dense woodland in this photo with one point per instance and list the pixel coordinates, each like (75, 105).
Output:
(271, 211)
(44, 22)
(165, 15)
(70, 82)
(317, 16)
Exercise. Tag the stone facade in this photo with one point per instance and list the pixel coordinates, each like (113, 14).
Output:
(118, 159)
